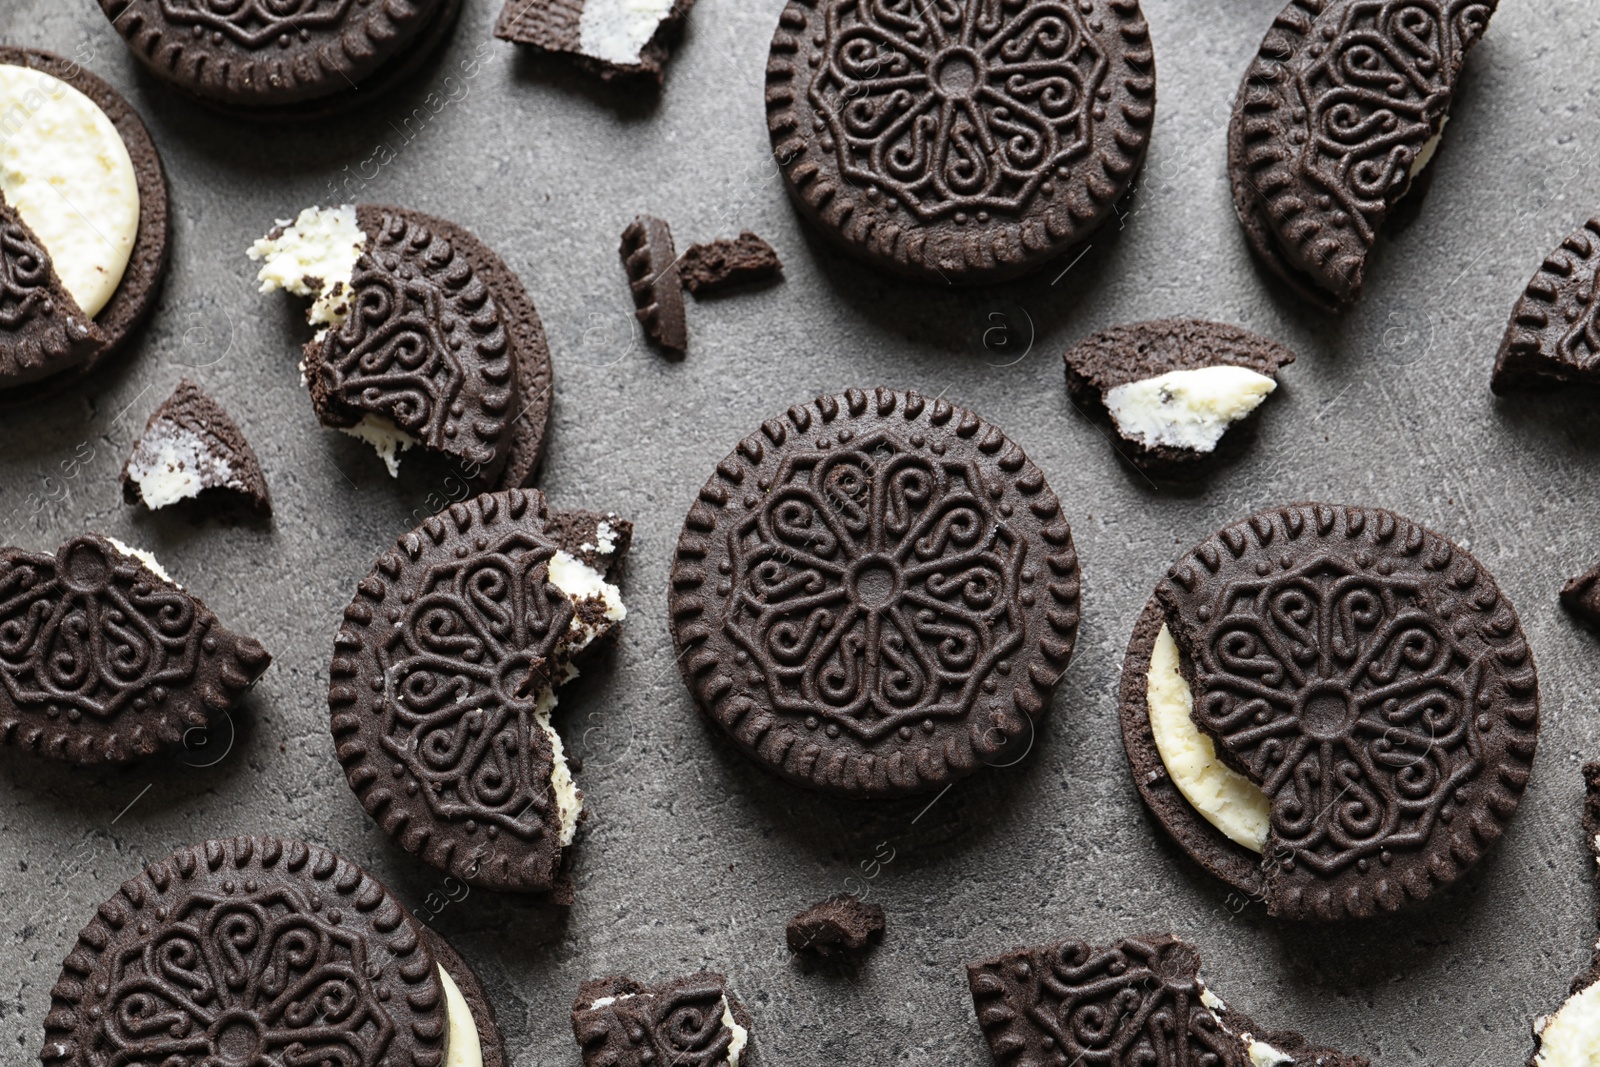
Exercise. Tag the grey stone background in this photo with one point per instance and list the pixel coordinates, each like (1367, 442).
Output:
(693, 857)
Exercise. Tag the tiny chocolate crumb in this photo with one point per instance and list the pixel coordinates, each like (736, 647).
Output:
(836, 926)
(723, 264)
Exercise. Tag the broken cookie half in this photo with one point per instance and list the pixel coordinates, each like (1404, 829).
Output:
(1570, 1036)
(192, 449)
(445, 675)
(1332, 709)
(694, 1020)
(615, 39)
(1172, 389)
(1073, 1003)
(424, 338)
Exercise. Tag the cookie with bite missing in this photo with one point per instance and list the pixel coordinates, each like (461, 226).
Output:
(693, 1021)
(192, 449)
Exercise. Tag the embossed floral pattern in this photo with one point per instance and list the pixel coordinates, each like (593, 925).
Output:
(958, 105)
(256, 24)
(877, 588)
(1349, 700)
(681, 1025)
(24, 277)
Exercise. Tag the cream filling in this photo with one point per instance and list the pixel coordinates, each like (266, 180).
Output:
(1189, 409)
(67, 172)
(1264, 1055)
(741, 1036)
(1425, 156)
(463, 1047)
(1224, 798)
(172, 463)
(616, 31)
(1571, 1037)
(144, 557)
(386, 439)
(315, 256)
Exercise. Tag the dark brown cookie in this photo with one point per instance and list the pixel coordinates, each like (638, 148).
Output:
(277, 61)
(1553, 1036)
(683, 1022)
(835, 927)
(245, 951)
(1554, 335)
(42, 329)
(131, 304)
(1581, 596)
(444, 668)
(191, 448)
(1139, 1000)
(711, 268)
(960, 142)
(651, 261)
(1370, 678)
(1340, 102)
(1142, 351)
(491, 1043)
(599, 36)
(875, 594)
(103, 660)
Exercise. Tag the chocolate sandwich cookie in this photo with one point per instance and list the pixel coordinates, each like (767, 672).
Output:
(694, 1021)
(1172, 389)
(1581, 596)
(445, 674)
(615, 39)
(83, 223)
(105, 659)
(875, 595)
(1554, 335)
(425, 338)
(1339, 113)
(963, 141)
(1140, 1000)
(1332, 709)
(191, 449)
(264, 950)
(275, 61)
(711, 268)
(837, 926)
(1568, 1036)
(651, 260)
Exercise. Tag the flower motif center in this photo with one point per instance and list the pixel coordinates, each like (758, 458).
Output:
(1327, 714)
(875, 582)
(237, 1039)
(957, 73)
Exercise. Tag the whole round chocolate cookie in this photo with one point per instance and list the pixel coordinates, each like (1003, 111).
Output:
(99, 259)
(963, 141)
(875, 594)
(272, 60)
(1333, 709)
(262, 950)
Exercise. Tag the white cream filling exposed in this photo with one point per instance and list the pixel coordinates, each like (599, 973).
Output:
(1186, 408)
(616, 31)
(172, 463)
(315, 256)
(1425, 156)
(741, 1036)
(386, 439)
(67, 172)
(143, 557)
(1264, 1055)
(463, 1048)
(1571, 1037)
(1224, 798)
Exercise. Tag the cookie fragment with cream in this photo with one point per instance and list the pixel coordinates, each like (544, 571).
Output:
(1171, 390)
(1570, 1035)
(192, 449)
(446, 675)
(696, 1019)
(614, 39)
(1141, 993)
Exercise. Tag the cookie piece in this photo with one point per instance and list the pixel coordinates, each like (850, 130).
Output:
(444, 678)
(79, 169)
(1569, 1036)
(875, 594)
(1554, 335)
(1171, 389)
(191, 448)
(960, 143)
(1581, 596)
(1364, 674)
(1338, 114)
(1070, 1002)
(105, 659)
(711, 268)
(835, 927)
(42, 330)
(216, 936)
(425, 338)
(614, 39)
(694, 1021)
(275, 61)
(651, 261)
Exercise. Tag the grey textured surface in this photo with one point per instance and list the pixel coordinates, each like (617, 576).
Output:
(694, 857)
